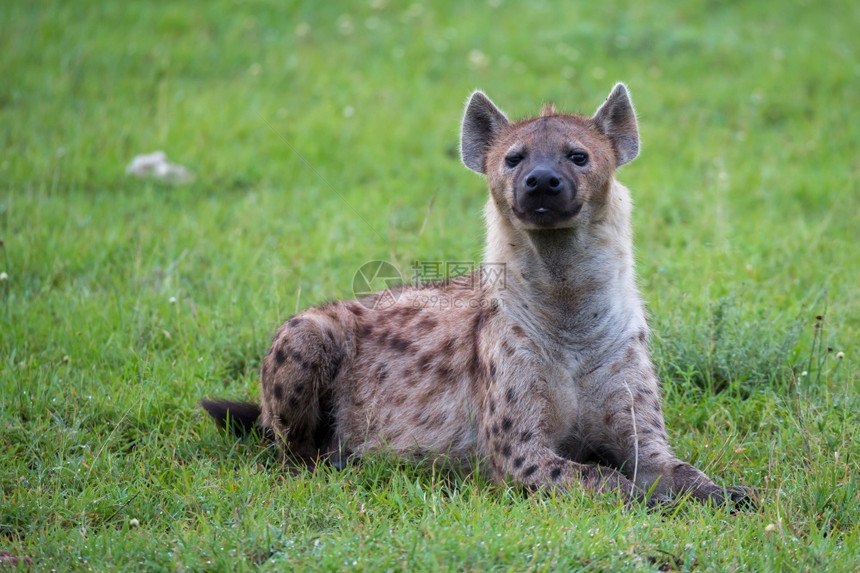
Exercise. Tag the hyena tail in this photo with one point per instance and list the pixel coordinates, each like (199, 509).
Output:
(241, 418)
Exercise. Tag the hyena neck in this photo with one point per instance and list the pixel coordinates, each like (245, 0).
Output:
(569, 279)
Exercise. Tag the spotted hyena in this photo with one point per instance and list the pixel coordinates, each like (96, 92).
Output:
(543, 373)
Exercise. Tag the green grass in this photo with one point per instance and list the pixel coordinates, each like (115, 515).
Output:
(746, 225)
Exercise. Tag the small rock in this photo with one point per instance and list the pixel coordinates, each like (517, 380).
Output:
(155, 165)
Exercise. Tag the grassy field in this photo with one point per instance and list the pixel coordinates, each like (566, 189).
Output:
(324, 135)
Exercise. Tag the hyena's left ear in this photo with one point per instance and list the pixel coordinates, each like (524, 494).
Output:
(481, 122)
(617, 119)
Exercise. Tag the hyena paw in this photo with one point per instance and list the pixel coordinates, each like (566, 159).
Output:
(603, 479)
(740, 498)
(743, 498)
(636, 495)
(659, 502)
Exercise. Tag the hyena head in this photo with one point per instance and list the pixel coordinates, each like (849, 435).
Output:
(553, 171)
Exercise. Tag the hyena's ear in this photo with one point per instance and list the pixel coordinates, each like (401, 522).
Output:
(481, 123)
(617, 119)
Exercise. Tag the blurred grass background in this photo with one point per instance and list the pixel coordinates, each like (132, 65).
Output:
(324, 135)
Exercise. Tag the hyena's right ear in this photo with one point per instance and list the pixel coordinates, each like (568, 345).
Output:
(481, 123)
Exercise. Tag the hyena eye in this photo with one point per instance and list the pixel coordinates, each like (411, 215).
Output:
(578, 157)
(513, 160)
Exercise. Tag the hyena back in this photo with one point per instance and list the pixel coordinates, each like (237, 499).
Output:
(539, 374)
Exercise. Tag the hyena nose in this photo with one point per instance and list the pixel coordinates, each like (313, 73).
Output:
(543, 181)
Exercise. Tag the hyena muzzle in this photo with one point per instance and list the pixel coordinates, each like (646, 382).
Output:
(543, 374)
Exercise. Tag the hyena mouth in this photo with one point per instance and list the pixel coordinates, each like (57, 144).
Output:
(547, 217)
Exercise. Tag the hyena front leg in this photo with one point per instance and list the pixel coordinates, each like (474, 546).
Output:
(628, 426)
(512, 437)
(298, 377)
